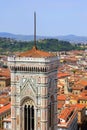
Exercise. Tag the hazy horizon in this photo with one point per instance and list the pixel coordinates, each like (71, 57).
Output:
(43, 35)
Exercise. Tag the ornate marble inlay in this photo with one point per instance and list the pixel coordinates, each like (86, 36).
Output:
(28, 87)
(28, 102)
(28, 82)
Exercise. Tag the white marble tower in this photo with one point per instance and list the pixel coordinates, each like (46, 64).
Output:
(34, 90)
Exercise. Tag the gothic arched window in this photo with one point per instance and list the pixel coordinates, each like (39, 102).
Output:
(28, 116)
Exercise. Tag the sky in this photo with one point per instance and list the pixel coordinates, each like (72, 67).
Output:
(54, 17)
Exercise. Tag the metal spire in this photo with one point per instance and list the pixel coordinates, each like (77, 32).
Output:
(35, 30)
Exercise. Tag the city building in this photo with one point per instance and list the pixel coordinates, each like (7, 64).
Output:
(67, 119)
(4, 82)
(81, 113)
(5, 111)
(4, 100)
(4, 78)
(63, 79)
(7, 123)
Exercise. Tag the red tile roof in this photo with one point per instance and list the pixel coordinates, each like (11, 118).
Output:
(65, 113)
(34, 52)
(62, 75)
(5, 108)
(4, 100)
(4, 72)
(80, 106)
(60, 105)
(61, 97)
(82, 82)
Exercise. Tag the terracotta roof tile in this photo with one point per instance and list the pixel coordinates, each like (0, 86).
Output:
(5, 108)
(80, 106)
(82, 82)
(3, 101)
(62, 75)
(82, 96)
(60, 105)
(34, 52)
(61, 97)
(4, 72)
(65, 113)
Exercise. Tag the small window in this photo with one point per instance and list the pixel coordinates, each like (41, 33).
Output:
(6, 125)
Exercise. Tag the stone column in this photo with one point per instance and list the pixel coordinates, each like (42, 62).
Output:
(35, 117)
(13, 106)
(22, 118)
(27, 117)
(44, 108)
(31, 117)
(13, 117)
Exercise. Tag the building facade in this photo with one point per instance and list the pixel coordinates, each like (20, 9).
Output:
(7, 123)
(5, 111)
(34, 90)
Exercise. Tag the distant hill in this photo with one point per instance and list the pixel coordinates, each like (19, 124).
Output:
(70, 38)
(73, 38)
(20, 37)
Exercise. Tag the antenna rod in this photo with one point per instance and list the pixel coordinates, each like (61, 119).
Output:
(35, 29)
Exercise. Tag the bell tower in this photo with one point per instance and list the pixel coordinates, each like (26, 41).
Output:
(34, 90)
